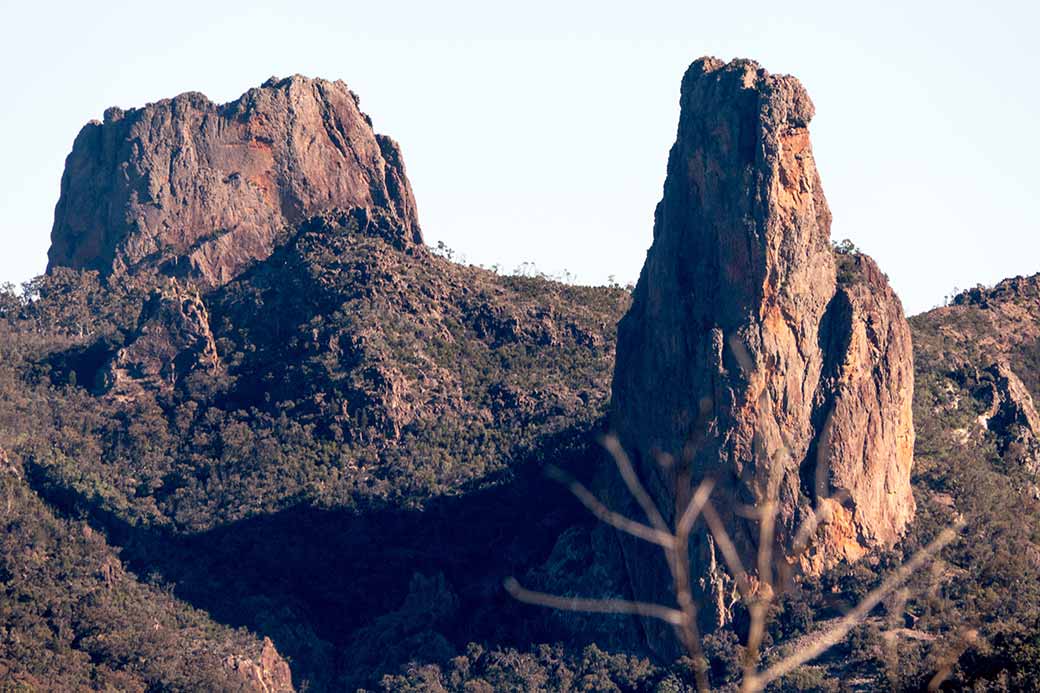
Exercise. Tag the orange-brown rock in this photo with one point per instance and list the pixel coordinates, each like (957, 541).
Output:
(755, 353)
(204, 190)
(269, 673)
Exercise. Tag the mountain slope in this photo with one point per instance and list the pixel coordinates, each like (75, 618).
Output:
(290, 449)
(275, 436)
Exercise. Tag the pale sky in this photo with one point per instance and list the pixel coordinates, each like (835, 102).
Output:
(539, 131)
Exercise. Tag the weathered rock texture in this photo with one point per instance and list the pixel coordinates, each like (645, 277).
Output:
(1012, 416)
(270, 673)
(749, 355)
(203, 190)
(985, 325)
(172, 339)
(981, 353)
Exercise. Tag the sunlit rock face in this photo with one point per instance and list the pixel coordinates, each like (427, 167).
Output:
(201, 190)
(756, 354)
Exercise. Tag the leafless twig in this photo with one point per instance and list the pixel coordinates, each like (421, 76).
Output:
(756, 593)
(832, 636)
(604, 514)
(595, 606)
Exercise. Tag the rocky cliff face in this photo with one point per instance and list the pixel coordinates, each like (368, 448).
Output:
(753, 352)
(203, 190)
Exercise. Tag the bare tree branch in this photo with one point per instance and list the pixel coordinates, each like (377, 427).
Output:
(756, 594)
(694, 508)
(729, 551)
(967, 638)
(679, 563)
(605, 514)
(635, 486)
(596, 606)
(837, 633)
(760, 602)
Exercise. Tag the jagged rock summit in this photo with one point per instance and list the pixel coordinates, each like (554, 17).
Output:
(754, 351)
(201, 190)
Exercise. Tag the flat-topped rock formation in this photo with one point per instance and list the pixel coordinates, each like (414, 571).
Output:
(201, 190)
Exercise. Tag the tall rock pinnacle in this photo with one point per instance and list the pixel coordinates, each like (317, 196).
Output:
(203, 190)
(753, 352)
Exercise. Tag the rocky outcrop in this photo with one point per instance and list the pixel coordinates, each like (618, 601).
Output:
(755, 353)
(203, 190)
(1011, 417)
(7, 466)
(269, 673)
(864, 450)
(983, 326)
(1019, 290)
(172, 339)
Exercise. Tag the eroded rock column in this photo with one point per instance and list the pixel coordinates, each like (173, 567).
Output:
(754, 353)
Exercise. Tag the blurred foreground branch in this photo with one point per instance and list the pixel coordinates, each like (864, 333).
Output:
(757, 595)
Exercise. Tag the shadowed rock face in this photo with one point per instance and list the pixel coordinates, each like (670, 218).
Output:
(1012, 416)
(748, 355)
(202, 190)
(173, 338)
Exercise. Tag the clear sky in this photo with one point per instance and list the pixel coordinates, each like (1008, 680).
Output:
(539, 131)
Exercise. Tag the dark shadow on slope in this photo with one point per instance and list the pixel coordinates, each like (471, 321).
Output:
(310, 578)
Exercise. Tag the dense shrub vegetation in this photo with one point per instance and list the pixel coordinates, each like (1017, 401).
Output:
(358, 384)
(363, 467)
